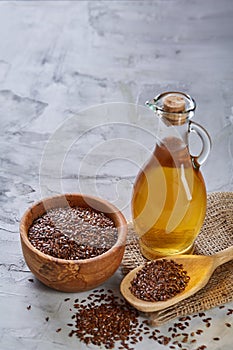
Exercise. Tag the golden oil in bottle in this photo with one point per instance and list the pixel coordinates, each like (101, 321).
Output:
(168, 205)
(169, 195)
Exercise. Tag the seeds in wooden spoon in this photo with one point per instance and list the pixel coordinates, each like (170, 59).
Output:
(159, 280)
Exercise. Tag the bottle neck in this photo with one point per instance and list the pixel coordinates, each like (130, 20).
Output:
(172, 145)
(177, 132)
(174, 109)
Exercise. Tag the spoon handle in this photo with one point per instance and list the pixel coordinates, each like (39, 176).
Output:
(223, 256)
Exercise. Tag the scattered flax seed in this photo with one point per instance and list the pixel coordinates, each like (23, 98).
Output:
(185, 339)
(184, 318)
(31, 280)
(230, 312)
(110, 321)
(182, 327)
(58, 330)
(71, 333)
(107, 321)
(175, 342)
(29, 307)
(46, 319)
(145, 322)
(166, 340)
(66, 299)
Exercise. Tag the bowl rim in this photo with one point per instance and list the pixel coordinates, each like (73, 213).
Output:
(122, 229)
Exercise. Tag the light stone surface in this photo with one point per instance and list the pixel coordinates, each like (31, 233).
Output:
(71, 73)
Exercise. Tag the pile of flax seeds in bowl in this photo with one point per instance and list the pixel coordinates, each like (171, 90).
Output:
(73, 233)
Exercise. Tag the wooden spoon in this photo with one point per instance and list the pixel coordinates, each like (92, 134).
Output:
(199, 268)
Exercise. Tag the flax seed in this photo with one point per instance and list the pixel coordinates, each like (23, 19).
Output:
(73, 233)
(159, 280)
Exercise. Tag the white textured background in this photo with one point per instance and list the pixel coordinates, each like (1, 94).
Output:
(59, 57)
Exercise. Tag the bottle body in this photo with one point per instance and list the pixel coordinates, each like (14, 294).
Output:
(169, 201)
(169, 195)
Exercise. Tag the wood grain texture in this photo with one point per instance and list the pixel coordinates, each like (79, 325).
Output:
(199, 268)
(77, 275)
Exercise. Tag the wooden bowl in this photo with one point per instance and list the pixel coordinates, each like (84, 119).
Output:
(73, 275)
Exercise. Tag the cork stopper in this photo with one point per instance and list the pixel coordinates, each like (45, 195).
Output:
(174, 105)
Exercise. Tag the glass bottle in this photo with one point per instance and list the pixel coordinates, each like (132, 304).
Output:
(169, 194)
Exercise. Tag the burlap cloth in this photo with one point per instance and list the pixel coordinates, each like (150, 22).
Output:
(216, 234)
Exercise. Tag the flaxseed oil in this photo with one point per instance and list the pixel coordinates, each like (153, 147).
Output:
(168, 202)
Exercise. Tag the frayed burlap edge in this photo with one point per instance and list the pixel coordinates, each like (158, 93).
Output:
(216, 234)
